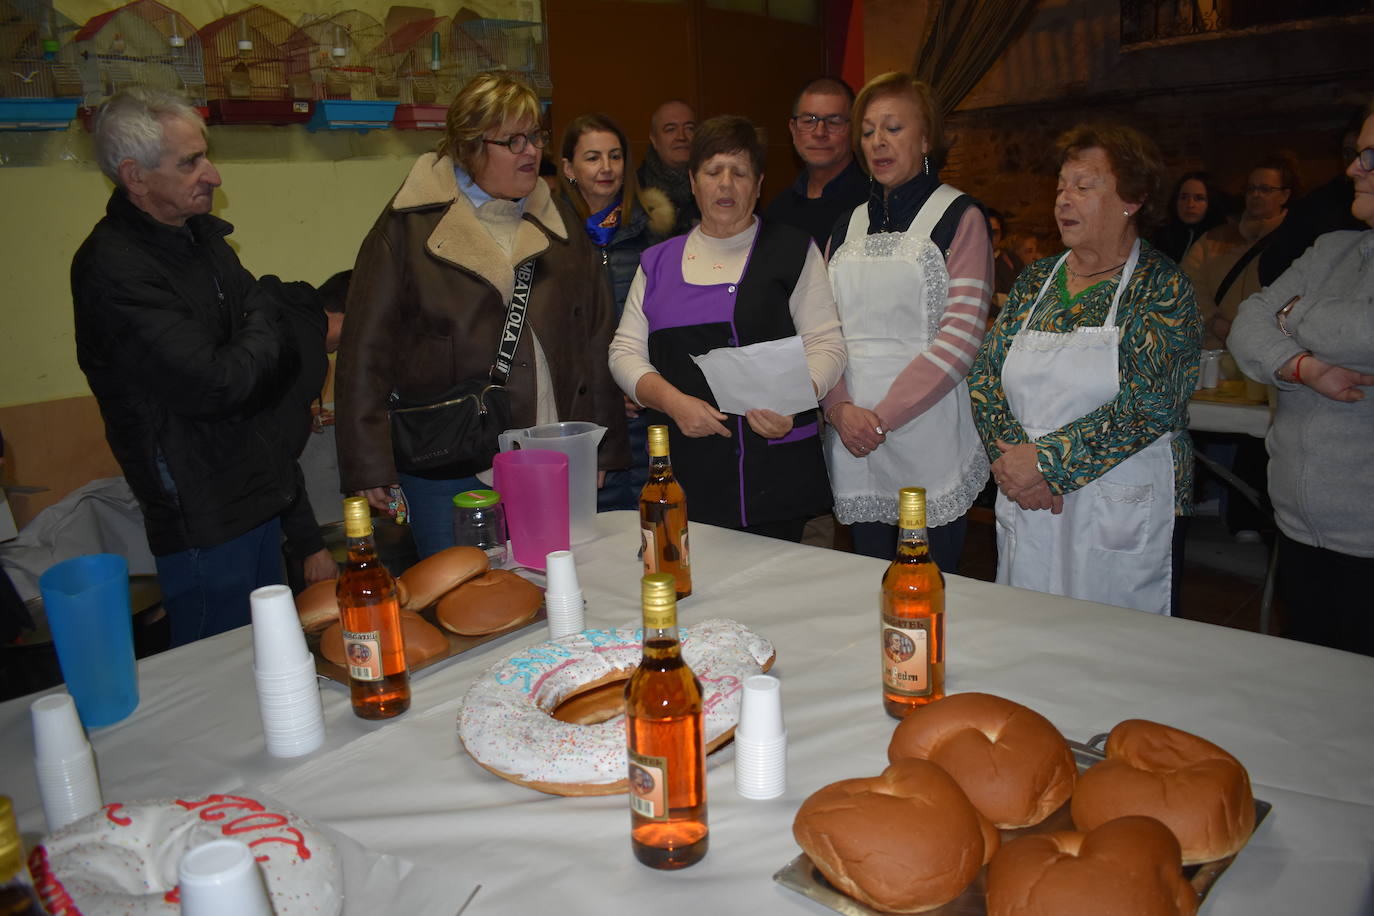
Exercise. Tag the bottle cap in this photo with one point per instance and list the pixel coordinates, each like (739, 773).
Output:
(357, 517)
(11, 852)
(911, 507)
(658, 441)
(476, 499)
(659, 594)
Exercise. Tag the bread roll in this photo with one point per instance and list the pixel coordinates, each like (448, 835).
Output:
(317, 606)
(490, 603)
(906, 841)
(1130, 866)
(432, 577)
(423, 641)
(1013, 764)
(1197, 789)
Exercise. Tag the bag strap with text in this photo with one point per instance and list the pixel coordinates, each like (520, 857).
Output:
(515, 324)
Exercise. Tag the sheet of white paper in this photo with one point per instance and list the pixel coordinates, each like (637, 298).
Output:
(764, 376)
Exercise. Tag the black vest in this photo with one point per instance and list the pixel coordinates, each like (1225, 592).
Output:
(746, 479)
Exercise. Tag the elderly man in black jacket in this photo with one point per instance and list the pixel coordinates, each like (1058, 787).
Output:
(193, 363)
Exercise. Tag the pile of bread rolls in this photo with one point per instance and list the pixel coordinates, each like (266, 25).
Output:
(916, 836)
(467, 596)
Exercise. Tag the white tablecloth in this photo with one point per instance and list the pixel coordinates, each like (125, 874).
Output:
(1298, 716)
(1215, 417)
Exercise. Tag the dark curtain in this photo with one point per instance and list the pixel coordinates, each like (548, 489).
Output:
(965, 37)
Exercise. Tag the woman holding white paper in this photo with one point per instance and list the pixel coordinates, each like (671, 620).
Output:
(913, 277)
(731, 282)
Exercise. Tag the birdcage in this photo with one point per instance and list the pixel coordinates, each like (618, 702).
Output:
(517, 45)
(417, 66)
(343, 74)
(39, 84)
(257, 69)
(142, 43)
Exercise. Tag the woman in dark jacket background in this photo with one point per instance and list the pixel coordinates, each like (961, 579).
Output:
(598, 182)
(1197, 205)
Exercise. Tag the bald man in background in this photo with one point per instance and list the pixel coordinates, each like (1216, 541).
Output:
(663, 174)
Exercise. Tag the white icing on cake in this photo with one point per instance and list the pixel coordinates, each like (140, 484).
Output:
(506, 723)
(123, 859)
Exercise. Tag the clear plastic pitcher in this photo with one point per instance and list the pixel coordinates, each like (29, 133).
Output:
(578, 440)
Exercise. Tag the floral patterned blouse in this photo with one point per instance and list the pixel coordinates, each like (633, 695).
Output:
(1161, 332)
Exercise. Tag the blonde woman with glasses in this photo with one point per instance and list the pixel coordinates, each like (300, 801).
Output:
(431, 301)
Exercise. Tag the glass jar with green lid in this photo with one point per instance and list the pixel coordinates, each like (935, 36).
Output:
(479, 520)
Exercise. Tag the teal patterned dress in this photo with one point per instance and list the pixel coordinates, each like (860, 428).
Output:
(1161, 333)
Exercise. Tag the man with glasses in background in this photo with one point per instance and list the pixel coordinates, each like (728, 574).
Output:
(831, 182)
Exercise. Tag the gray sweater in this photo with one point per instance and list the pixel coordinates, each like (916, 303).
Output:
(1321, 452)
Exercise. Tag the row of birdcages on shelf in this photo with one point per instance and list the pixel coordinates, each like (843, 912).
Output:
(341, 71)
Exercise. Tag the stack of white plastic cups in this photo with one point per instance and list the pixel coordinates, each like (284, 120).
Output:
(220, 878)
(63, 759)
(761, 740)
(288, 694)
(563, 595)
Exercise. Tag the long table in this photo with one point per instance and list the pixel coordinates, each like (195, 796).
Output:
(1298, 716)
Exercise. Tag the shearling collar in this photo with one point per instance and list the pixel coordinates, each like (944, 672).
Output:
(461, 240)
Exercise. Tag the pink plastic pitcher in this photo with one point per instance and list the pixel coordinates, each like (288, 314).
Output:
(533, 484)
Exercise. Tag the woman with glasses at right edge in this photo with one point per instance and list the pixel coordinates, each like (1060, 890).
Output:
(1312, 334)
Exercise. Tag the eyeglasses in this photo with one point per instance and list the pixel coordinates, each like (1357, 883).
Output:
(811, 122)
(516, 143)
(1263, 189)
(1366, 158)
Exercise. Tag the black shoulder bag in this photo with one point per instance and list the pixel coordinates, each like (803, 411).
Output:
(455, 435)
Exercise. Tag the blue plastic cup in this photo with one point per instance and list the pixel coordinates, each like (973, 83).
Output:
(86, 600)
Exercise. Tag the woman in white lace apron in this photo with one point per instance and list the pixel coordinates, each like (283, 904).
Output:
(912, 274)
(1081, 389)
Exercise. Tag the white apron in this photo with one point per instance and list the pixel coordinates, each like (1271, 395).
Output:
(1113, 542)
(890, 289)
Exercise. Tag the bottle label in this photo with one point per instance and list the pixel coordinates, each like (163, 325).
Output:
(364, 654)
(906, 657)
(649, 786)
(686, 551)
(649, 547)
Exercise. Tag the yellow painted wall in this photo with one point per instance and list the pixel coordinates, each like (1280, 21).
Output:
(300, 204)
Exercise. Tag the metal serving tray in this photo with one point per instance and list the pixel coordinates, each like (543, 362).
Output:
(457, 645)
(803, 877)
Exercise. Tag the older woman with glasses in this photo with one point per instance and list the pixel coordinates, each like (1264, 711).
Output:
(1312, 333)
(430, 302)
(1224, 263)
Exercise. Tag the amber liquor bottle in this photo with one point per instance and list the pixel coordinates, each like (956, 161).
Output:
(663, 517)
(665, 741)
(371, 617)
(913, 614)
(17, 895)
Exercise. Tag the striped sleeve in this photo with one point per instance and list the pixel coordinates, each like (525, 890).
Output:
(935, 372)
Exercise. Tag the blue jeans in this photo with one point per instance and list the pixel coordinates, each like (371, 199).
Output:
(622, 488)
(205, 589)
(431, 510)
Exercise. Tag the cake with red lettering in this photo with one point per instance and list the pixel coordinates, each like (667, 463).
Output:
(123, 859)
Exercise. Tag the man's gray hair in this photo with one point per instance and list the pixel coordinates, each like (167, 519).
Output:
(129, 126)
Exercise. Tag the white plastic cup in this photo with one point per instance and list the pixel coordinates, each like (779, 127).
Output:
(278, 641)
(220, 878)
(760, 712)
(566, 614)
(63, 761)
(760, 767)
(290, 709)
(560, 574)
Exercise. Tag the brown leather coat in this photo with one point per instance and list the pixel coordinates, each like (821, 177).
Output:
(426, 305)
